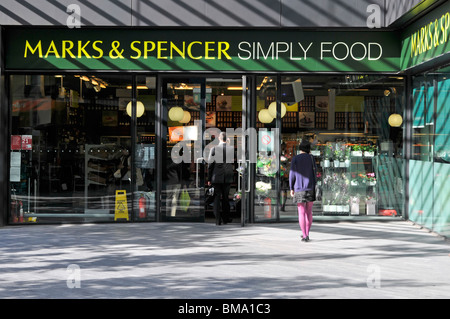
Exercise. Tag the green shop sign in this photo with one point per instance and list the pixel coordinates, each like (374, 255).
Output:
(201, 50)
(427, 38)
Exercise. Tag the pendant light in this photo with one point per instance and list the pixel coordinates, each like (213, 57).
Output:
(395, 120)
(176, 113)
(264, 116)
(139, 108)
(186, 117)
(273, 109)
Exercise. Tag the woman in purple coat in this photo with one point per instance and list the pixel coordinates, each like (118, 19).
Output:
(302, 182)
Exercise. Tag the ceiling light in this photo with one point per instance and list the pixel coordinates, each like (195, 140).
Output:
(264, 116)
(176, 113)
(139, 108)
(395, 120)
(273, 109)
(186, 117)
(139, 87)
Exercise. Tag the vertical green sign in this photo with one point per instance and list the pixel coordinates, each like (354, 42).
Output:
(426, 39)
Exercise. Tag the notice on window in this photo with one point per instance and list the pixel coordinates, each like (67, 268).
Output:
(16, 142)
(21, 142)
(14, 171)
(27, 142)
(266, 141)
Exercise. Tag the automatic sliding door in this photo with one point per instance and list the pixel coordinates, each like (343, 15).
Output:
(227, 111)
(183, 122)
(216, 104)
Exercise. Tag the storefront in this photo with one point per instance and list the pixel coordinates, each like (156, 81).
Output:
(110, 125)
(425, 56)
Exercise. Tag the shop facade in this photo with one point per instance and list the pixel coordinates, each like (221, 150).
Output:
(113, 124)
(427, 61)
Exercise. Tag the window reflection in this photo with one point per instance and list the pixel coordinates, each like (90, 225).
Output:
(357, 147)
(71, 147)
(145, 149)
(267, 165)
(430, 158)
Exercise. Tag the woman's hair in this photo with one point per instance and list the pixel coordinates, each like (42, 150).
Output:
(305, 146)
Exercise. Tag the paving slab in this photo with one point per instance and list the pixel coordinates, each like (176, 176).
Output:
(349, 260)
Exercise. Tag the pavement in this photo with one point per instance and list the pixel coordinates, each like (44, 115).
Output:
(345, 260)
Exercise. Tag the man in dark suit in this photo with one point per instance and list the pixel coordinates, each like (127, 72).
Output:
(220, 175)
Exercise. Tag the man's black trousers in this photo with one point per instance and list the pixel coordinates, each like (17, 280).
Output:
(221, 191)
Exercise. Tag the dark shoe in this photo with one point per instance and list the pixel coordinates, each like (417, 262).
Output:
(307, 238)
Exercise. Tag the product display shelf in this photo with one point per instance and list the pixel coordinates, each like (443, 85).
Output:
(349, 187)
(99, 169)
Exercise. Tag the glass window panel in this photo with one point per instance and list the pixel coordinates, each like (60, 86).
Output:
(70, 142)
(266, 192)
(359, 154)
(441, 200)
(145, 149)
(429, 204)
(423, 108)
(442, 137)
(419, 104)
(182, 174)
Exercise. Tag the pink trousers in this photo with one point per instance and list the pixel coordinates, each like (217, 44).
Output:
(305, 217)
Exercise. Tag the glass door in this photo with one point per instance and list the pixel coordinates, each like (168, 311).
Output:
(194, 112)
(266, 199)
(225, 112)
(182, 164)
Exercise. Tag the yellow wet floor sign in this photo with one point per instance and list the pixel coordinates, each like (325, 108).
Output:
(121, 210)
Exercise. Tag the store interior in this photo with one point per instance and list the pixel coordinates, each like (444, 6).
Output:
(72, 145)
